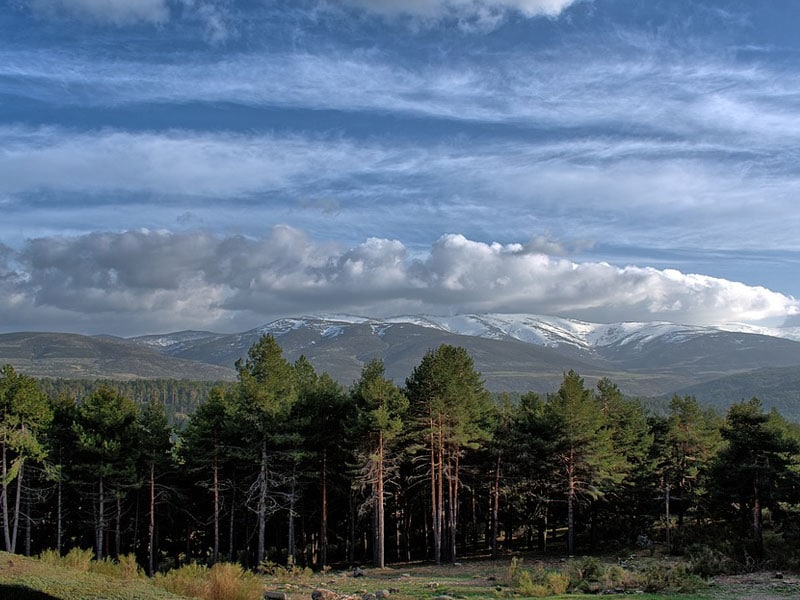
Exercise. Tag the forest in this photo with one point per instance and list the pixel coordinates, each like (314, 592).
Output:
(286, 466)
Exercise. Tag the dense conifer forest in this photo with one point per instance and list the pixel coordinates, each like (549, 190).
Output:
(288, 466)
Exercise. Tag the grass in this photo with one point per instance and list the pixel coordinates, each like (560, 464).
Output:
(50, 579)
(31, 579)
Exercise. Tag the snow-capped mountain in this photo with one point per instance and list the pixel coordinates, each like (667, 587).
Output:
(512, 352)
(546, 331)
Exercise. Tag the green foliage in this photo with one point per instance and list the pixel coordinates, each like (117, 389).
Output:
(672, 578)
(125, 568)
(180, 398)
(78, 559)
(28, 578)
(284, 573)
(706, 561)
(757, 470)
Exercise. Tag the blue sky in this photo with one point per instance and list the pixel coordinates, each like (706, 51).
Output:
(214, 164)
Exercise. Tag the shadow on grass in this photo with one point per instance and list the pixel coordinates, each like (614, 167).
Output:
(20, 592)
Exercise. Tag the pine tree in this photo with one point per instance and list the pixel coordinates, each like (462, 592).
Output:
(584, 448)
(107, 450)
(206, 449)
(450, 408)
(381, 408)
(155, 449)
(756, 471)
(24, 416)
(267, 390)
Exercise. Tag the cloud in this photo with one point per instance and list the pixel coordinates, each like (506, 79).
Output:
(115, 12)
(142, 280)
(212, 15)
(649, 193)
(461, 8)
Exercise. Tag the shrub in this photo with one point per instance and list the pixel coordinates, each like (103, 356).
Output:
(125, 568)
(78, 560)
(51, 557)
(557, 582)
(707, 562)
(658, 577)
(223, 581)
(537, 582)
(227, 581)
(188, 580)
(287, 573)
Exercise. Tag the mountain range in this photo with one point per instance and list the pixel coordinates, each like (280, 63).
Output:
(512, 352)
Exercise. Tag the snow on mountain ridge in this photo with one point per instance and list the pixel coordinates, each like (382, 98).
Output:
(552, 331)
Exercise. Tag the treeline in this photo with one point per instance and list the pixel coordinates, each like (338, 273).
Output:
(180, 397)
(288, 466)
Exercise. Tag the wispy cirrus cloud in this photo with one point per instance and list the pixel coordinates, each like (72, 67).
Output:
(115, 12)
(213, 281)
(468, 8)
(678, 193)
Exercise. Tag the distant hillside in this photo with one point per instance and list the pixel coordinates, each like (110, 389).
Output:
(74, 356)
(513, 353)
(776, 387)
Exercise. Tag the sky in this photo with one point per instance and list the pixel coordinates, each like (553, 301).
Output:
(216, 164)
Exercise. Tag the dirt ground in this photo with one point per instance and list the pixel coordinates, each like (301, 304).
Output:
(757, 586)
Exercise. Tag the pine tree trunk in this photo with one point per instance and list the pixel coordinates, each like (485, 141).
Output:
(4, 502)
(59, 523)
(262, 503)
(496, 507)
(151, 527)
(436, 523)
(291, 534)
(17, 502)
(232, 521)
(758, 534)
(117, 529)
(323, 522)
(380, 559)
(453, 506)
(101, 520)
(215, 474)
(570, 511)
(28, 525)
(440, 492)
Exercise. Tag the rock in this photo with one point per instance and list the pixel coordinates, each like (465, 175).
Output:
(380, 594)
(323, 594)
(269, 595)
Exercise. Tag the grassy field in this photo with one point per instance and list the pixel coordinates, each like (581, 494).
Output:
(30, 579)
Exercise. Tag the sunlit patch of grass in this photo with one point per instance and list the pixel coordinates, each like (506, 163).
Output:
(31, 579)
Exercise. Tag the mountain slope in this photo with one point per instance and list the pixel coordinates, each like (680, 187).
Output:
(83, 357)
(513, 352)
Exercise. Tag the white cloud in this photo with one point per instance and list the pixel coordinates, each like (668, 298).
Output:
(469, 8)
(116, 12)
(147, 279)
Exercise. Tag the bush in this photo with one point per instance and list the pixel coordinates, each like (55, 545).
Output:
(659, 577)
(125, 568)
(707, 562)
(537, 582)
(223, 581)
(557, 582)
(188, 580)
(78, 560)
(227, 581)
